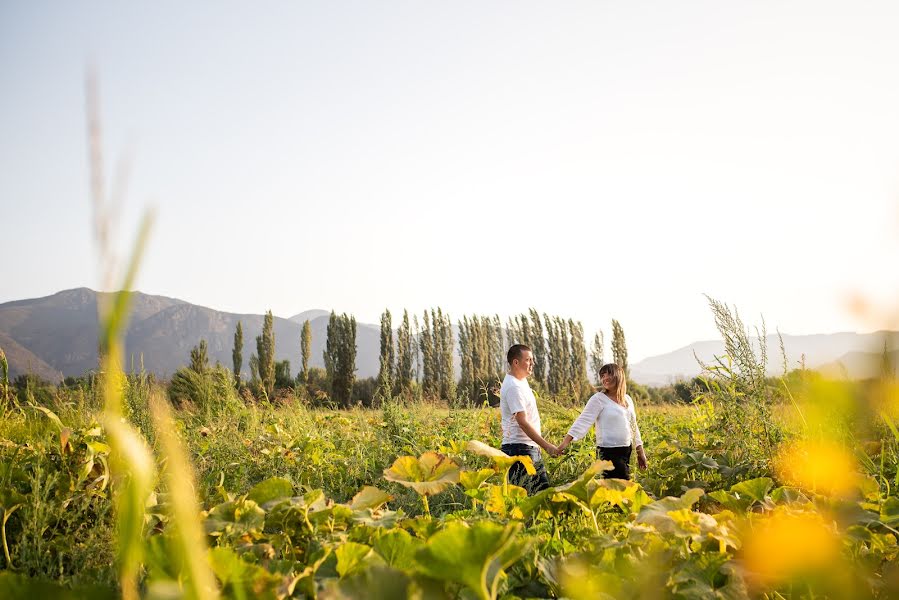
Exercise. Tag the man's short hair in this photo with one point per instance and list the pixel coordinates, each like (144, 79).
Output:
(515, 352)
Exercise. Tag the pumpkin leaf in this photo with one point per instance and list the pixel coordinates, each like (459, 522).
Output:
(369, 497)
(273, 488)
(428, 475)
(474, 555)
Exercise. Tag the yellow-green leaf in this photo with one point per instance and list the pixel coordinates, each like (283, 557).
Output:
(430, 474)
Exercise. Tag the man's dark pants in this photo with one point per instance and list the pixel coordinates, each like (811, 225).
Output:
(519, 476)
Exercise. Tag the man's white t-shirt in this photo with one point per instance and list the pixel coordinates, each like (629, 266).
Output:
(516, 396)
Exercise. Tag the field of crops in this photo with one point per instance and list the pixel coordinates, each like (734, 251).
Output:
(411, 501)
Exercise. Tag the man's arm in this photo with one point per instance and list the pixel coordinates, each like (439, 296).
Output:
(529, 430)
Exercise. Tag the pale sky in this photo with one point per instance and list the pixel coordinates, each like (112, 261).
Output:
(595, 160)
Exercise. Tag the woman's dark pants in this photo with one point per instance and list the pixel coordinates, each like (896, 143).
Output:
(620, 457)
(519, 476)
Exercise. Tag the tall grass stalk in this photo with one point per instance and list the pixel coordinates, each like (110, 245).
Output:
(200, 582)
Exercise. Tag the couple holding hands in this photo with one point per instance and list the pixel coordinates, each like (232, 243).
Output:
(611, 410)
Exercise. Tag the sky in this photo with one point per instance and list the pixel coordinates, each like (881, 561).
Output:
(594, 160)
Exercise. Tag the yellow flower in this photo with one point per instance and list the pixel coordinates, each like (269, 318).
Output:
(788, 544)
(823, 467)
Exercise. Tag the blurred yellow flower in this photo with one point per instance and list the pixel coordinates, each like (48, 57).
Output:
(788, 544)
(821, 466)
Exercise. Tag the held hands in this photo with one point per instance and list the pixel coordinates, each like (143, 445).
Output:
(557, 451)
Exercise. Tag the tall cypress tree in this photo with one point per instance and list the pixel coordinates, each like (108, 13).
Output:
(386, 370)
(445, 356)
(265, 351)
(349, 355)
(416, 349)
(619, 347)
(429, 384)
(538, 347)
(237, 353)
(199, 359)
(404, 351)
(578, 358)
(305, 350)
(4, 376)
(596, 356)
(466, 359)
(340, 357)
(552, 356)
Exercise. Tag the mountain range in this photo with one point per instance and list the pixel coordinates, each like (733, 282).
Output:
(56, 336)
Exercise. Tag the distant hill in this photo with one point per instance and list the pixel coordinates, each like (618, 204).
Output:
(309, 315)
(861, 365)
(56, 336)
(819, 350)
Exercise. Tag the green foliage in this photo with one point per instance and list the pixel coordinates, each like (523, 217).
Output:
(538, 345)
(436, 344)
(580, 384)
(4, 378)
(305, 350)
(303, 502)
(405, 351)
(199, 360)
(283, 379)
(596, 356)
(210, 392)
(386, 370)
(737, 385)
(264, 362)
(479, 346)
(237, 353)
(340, 357)
(619, 347)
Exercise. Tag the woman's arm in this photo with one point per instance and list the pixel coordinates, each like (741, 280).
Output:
(582, 424)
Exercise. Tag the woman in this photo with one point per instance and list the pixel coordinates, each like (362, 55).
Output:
(612, 410)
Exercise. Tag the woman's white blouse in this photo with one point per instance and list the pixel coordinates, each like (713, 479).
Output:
(616, 425)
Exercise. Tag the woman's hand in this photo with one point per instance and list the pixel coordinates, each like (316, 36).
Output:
(564, 445)
(641, 458)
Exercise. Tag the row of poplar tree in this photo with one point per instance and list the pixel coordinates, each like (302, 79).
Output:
(418, 355)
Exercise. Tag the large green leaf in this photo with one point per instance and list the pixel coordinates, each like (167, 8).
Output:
(474, 555)
(428, 475)
(583, 487)
(755, 489)
(889, 511)
(502, 460)
(503, 501)
(472, 480)
(241, 579)
(353, 557)
(374, 583)
(369, 497)
(786, 494)
(656, 513)
(273, 488)
(398, 548)
(237, 516)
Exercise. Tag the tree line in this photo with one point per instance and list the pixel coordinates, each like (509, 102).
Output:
(416, 358)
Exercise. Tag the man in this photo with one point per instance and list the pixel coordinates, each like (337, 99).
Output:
(521, 421)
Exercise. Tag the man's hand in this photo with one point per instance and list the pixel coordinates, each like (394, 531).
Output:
(553, 450)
